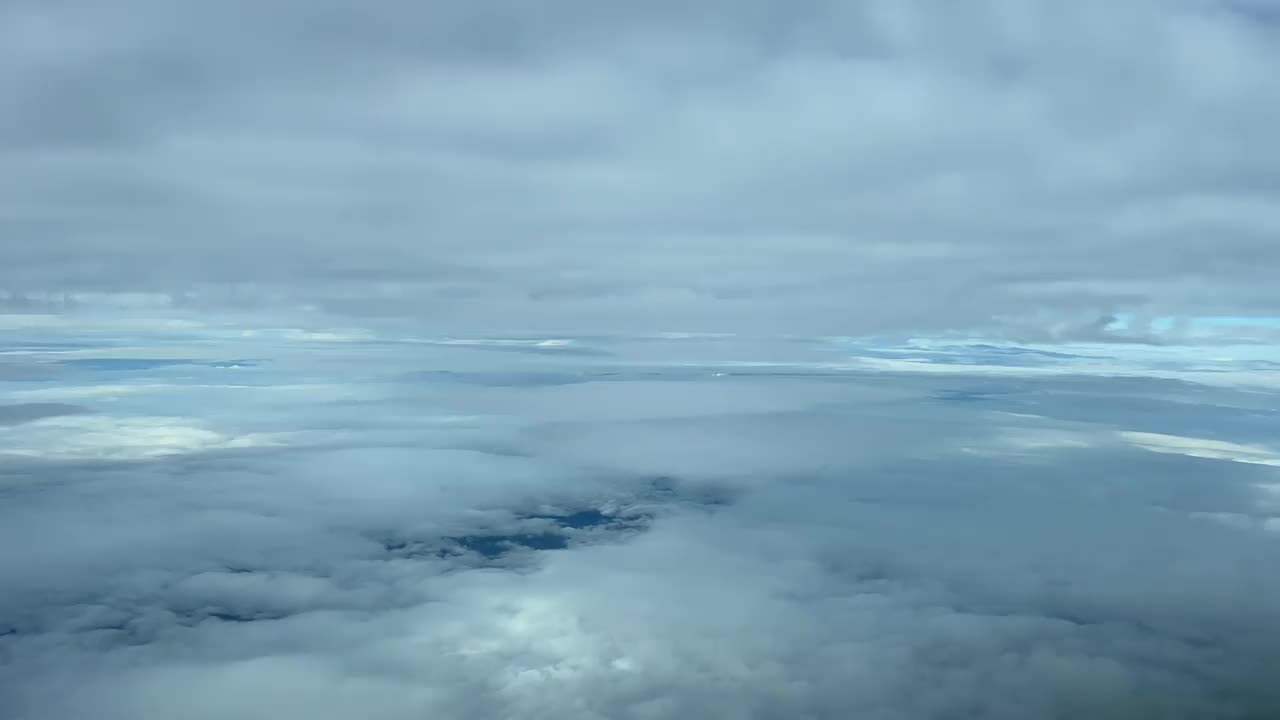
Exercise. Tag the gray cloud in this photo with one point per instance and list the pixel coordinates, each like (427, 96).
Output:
(744, 531)
(860, 167)
(30, 412)
(341, 375)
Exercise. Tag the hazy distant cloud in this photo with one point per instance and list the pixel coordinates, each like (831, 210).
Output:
(29, 412)
(837, 167)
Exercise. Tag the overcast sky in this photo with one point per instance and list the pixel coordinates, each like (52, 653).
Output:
(746, 165)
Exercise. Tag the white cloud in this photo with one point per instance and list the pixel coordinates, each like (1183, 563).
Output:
(88, 392)
(1203, 448)
(102, 437)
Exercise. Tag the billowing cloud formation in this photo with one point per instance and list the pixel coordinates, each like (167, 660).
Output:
(341, 524)
(836, 166)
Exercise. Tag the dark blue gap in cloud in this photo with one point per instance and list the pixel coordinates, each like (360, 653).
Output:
(493, 545)
(535, 535)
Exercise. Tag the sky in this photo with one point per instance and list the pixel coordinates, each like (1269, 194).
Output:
(582, 360)
(757, 165)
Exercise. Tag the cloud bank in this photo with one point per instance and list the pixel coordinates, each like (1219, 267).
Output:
(838, 167)
(361, 525)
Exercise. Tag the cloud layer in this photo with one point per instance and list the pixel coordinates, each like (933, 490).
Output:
(841, 167)
(569, 528)
(583, 361)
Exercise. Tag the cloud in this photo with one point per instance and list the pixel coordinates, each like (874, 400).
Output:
(576, 360)
(1198, 447)
(55, 436)
(722, 535)
(832, 168)
(30, 412)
